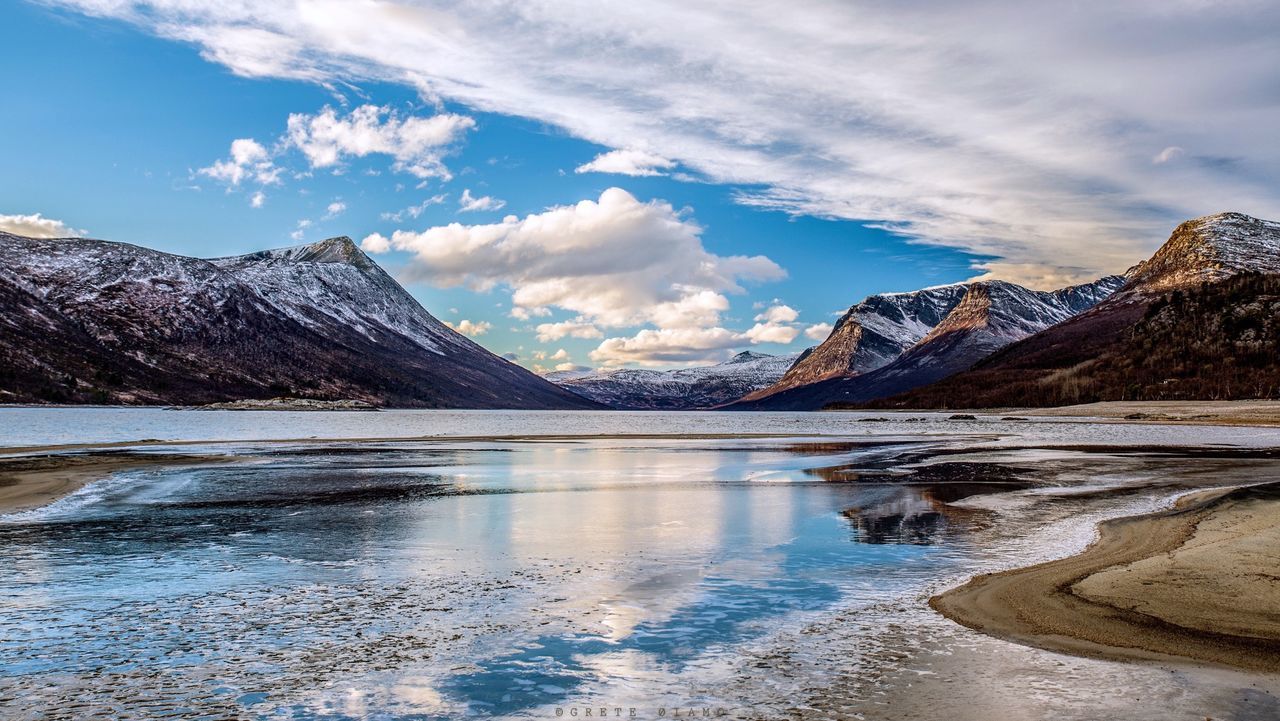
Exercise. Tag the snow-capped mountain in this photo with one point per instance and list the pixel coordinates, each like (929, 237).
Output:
(1090, 356)
(1209, 249)
(870, 335)
(97, 321)
(680, 389)
(988, 316)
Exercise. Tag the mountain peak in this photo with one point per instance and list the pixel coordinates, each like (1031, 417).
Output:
(340, 250)
(746, 356)
(1210, 248)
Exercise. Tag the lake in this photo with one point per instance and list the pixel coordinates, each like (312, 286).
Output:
(428, 564)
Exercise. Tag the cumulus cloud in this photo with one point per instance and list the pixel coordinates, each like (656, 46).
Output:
(664, 346)
(1010, 130)
(334, 209)
(627, 162)
(469, 203)
(548, 332)
(249, 161)
(615, 261)
(778, 314)
(559, 355)
(38, 226)
(520, 313)
(470, 328)
(258, 199)
(697, 342)
(818, 331)
(417, 144)
(775, 325)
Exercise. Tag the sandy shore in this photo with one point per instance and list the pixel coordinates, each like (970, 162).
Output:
(1200, 582)
(1231, 413)
(30, 482)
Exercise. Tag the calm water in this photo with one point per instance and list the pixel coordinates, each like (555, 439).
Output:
(526, 577)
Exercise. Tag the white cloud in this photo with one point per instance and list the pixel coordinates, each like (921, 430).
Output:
(249, 160)
(1172, 152)
(818, 331)
(301, 230)
(772, 333)
(548, 332)
(470, 328)
(1006, 129)
(615, 262)
(521, 313)
(375, 243)
(418, 144)
(258, 199)
(413, 211)
(691, 342)
(38, 226)
(627, 162)
(334, 209)
(775, 325)
(778, 314)
(469, 203)
(666, 346)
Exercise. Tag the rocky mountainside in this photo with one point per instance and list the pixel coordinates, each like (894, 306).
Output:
(1124, 348)
(680, 389)
(988, 316)
(870, 335)
(91, 321)
(1208, 249)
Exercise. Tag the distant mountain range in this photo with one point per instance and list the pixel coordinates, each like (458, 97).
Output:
(91, 321)
(941, 331)
(1199, 320)
(680, 389)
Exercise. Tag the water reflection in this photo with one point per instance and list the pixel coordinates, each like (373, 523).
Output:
(494, 577)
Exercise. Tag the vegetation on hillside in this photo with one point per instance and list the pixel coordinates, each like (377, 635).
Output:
(1218, 341)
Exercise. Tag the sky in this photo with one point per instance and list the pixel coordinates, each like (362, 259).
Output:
(600, 184)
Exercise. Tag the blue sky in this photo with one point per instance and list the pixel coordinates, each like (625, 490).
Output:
(775, 189)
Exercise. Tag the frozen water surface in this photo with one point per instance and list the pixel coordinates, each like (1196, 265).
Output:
(597, 561)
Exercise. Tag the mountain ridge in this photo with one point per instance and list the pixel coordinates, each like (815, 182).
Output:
(102, 321)
(697, 387)
(1052, 367)
(987, 316)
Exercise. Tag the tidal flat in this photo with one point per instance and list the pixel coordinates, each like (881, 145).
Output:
(425, 564)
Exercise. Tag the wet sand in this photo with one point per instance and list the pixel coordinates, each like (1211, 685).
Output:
(29, 482)
(1230, 413)
(1196, 583)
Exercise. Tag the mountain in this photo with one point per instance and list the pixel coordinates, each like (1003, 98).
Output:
(988, 316)
(871, 334)
(681, 389)
(91, 321)
(1194, 321)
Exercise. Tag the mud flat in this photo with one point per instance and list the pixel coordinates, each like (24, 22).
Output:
(1198, 583)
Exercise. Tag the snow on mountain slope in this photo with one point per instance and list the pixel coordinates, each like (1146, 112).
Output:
(1109, 351)
(1209, 249)
(680, 389)
(989, 316)
(97, 321)
(333, 280)
(871, 334)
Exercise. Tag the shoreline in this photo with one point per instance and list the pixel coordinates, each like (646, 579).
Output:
(31, 482)
(1184, 585)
